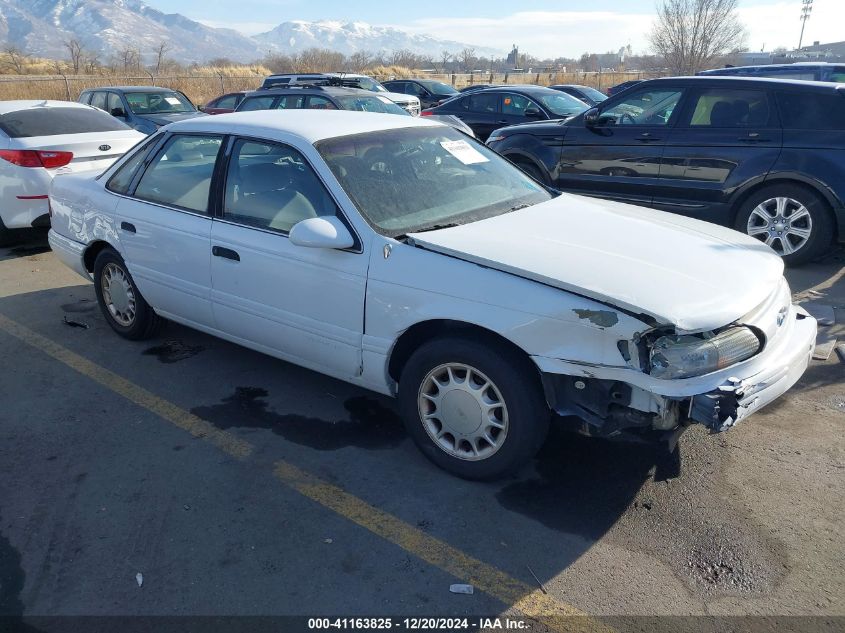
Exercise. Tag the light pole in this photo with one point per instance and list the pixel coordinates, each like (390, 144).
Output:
(806, 10)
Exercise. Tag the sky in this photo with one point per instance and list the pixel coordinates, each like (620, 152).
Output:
(561, 28)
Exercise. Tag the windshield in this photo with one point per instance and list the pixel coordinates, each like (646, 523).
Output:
(371, 104)
(365, 83)
(421, 178)
(439, 88)
(562, 104)
(164, 102)
(593, 94)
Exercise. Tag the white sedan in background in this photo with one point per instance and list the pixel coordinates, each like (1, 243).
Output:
(40, 139)
(399, 255)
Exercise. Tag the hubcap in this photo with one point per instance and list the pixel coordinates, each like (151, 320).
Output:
(118, 294)
(463, 411)
(784, 224)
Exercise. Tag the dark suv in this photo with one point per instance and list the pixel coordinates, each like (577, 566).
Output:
(145, 108)
(807, 71)
(765, 156)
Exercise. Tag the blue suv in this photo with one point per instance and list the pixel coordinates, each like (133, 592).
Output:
(145, 108)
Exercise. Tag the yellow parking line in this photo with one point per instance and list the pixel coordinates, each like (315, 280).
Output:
(129, 390)
(555, 614)
(530, 601)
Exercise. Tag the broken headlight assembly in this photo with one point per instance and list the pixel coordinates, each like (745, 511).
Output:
(688, 355)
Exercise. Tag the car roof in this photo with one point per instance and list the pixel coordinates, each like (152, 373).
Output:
(309, 125)
(518, 88)
(304, 89)
(778, 66)
(130, 89)
(577, 86)
(27, 104)
(754, 81)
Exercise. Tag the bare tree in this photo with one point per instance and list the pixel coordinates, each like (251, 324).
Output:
(359, 60)
(445, 58)
(16, 59)
(691, 35)
(467, 58)
(77, 54)
(160, 57)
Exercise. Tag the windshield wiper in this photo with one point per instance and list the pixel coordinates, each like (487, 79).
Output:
(436, 227)
(519, 206)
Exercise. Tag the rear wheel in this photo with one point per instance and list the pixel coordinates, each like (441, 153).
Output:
(474, 408)
(793, 220)
(122, 305)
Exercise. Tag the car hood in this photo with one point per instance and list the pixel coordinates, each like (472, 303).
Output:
(398, 97)
(164, 119)
(694, 275)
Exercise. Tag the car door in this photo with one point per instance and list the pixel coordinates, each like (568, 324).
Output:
(480, 111)
(725, 138)
(616, 154)
(514, 107)
(164, 225)
(98, 100)
(305, 305)
(115, 107)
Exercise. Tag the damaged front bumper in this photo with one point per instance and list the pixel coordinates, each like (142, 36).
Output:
(613, 399)
(738, 398)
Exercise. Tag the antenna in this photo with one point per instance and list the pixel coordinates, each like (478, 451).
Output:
(806, 10)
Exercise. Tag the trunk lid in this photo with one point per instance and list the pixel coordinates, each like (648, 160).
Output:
(90, 151)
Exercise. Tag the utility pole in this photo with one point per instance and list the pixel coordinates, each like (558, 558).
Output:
(806, 10)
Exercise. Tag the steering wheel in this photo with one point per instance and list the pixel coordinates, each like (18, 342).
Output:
(629, 116)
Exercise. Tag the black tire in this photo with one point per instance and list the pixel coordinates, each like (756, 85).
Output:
(821, 222)
(145, 322)
(516, 380)
(533, 170)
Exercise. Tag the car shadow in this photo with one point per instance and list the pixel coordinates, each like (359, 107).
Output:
(25, 243)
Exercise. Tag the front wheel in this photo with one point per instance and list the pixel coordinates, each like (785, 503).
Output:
(474, 408)
(794, 221)
(121, 303)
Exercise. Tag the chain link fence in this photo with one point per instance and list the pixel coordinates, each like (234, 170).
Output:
(201, 89)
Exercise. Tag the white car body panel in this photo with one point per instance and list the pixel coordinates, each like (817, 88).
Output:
(567, 242)
(23, 190)
(570, 280)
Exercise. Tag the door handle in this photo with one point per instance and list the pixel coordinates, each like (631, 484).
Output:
(501, 121)
(646, 137)
(127, 226)
(753, 137)
(228, 253)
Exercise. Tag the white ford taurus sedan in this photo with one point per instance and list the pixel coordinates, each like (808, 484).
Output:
(399, 255)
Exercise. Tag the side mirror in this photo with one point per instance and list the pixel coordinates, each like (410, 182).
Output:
(591, 117)
(118, 112)
(533, 113)
(323, 232)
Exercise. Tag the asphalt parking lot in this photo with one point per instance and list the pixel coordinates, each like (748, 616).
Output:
(188, 476)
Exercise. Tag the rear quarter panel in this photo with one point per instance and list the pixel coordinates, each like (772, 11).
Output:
(82, 208)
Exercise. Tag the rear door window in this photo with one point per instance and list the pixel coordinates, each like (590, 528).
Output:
(180, 176)
(99, 100)
(256, 103)
(812, 110)
(54, 121)
(486, 103)
(228, 102)
(726, 108)
(320, 103)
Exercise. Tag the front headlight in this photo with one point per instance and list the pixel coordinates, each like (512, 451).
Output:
(686, 356)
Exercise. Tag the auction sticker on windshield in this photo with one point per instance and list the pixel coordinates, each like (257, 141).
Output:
(172, 100)
(383, 99)
(464, 152)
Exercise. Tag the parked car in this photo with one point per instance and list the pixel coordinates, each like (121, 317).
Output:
(349, 80)
(613, 90)
(145, 108)
(325, 97)
(428, 91)
(492, 108)
(806, 71)
(224, 104)
(399, 255)
(590, 96)
(40, 139)
(765, 156)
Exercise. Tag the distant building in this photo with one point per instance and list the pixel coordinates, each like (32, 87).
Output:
(513, 58)
(835, 51)
(753, 58)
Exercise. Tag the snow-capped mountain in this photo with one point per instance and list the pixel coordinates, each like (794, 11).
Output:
(106, 27)
(41, 27)
(349, 37)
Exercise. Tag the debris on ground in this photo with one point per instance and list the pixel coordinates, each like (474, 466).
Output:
(821, 312)
(458, 588)
(72, 323)
(825, 342)
(531, 571)
(139, 578)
